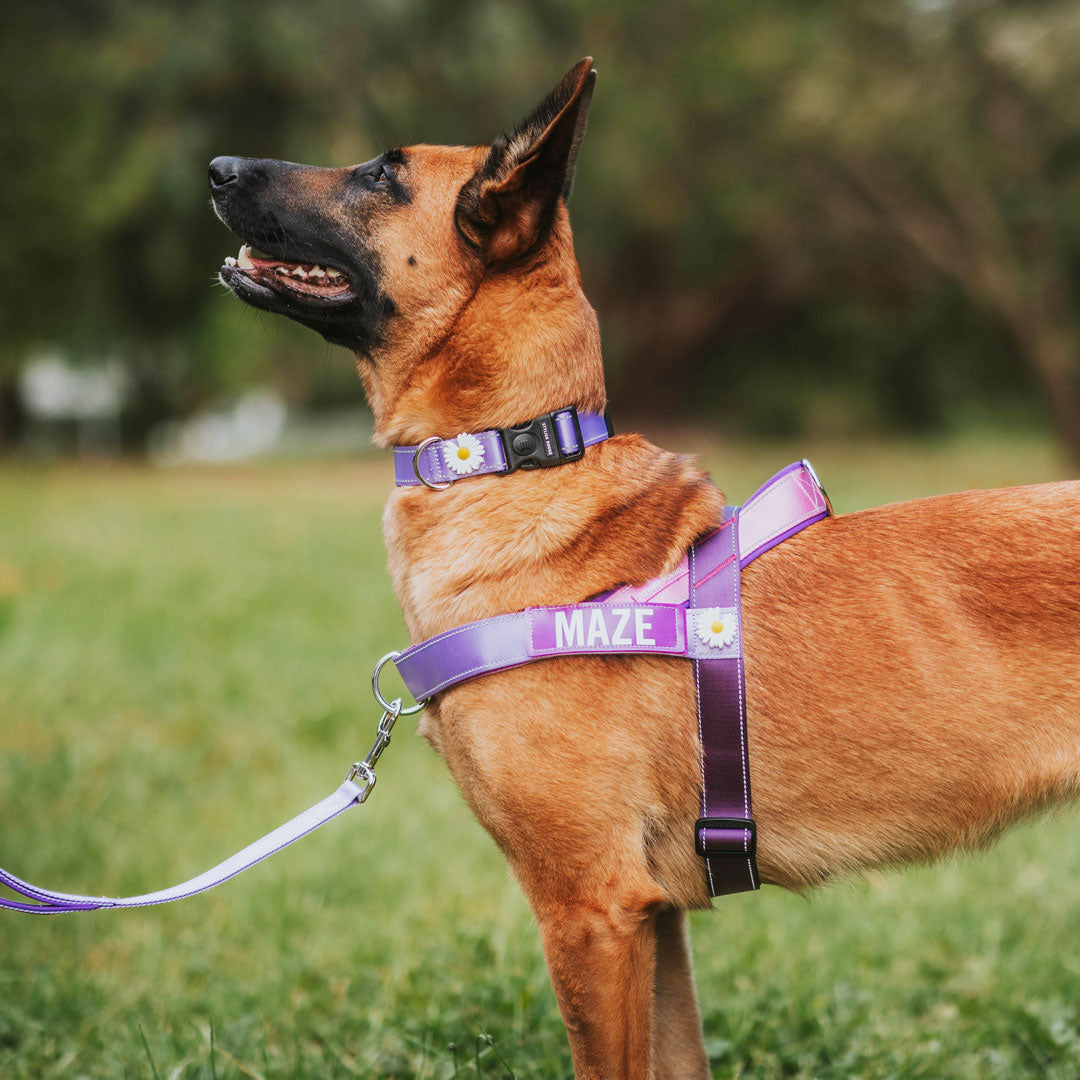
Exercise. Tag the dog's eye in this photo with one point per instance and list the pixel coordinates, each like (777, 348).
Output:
(383, 177)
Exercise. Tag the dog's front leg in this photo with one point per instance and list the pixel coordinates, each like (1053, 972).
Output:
(679, 1048)
(601, 962)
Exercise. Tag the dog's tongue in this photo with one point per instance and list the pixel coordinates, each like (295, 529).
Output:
(245, 260)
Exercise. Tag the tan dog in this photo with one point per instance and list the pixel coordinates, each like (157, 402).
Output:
(913, 672)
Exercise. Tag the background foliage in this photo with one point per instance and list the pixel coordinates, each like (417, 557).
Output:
(792, 216)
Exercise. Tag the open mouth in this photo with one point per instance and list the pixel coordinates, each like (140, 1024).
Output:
(308, 282)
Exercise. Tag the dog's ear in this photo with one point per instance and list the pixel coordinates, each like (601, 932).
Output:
(508, 204)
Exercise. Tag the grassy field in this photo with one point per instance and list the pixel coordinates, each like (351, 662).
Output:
(183, 664)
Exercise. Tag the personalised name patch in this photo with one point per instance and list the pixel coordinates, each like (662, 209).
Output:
(607, 628)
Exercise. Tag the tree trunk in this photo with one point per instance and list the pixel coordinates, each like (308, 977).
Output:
(1054, 359)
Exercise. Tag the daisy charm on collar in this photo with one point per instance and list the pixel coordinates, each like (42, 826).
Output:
(464, 455)
(716, 626)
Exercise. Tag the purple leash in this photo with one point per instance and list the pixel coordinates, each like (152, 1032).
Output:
(48, 902)
(355, 790)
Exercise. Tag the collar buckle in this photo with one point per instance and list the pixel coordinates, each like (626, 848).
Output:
(536, 445)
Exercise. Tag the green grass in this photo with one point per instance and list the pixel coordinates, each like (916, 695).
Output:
(183, 664)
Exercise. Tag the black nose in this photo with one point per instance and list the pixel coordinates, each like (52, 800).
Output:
(223, 170)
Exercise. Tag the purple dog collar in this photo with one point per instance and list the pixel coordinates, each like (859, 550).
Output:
(552, 439)
(692, 612)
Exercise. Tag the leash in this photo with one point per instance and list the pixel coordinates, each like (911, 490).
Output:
(357, 786)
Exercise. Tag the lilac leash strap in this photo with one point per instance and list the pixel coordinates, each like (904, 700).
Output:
(552, 439)
(355, 789)
(48, 902)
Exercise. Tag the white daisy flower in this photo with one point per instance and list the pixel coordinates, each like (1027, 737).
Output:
(716, 627)
(464, 455)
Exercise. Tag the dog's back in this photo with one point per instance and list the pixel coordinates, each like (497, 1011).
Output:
(913, 677)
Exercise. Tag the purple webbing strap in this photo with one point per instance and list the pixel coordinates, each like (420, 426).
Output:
(507, 641)
(791, 500)
(47, 902)
(725, 833)
(432, 459)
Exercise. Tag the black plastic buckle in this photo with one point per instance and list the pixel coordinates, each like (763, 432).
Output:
(725, 823)
(535, 445)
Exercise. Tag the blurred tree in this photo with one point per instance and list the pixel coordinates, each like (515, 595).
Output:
(790, 215)
(962, 138)
(811, 183)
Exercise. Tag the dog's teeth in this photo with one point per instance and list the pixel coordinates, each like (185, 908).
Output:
(333, 273)
(243, 258)
(316, 271)
(298, 271)
(281, 269)
(229, 260)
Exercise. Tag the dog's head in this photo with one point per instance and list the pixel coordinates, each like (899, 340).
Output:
(382, 257)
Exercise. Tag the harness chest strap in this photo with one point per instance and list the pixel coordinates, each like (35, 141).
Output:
(694, 613)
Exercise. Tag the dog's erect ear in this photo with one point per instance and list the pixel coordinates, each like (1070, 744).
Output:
(508, 204)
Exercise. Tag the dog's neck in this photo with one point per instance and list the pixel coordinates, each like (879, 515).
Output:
(524, 343)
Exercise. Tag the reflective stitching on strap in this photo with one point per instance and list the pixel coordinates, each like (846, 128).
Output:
(742, 709)
(415, 650)
(701, 732)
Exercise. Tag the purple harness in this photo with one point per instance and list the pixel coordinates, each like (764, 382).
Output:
(692, 612)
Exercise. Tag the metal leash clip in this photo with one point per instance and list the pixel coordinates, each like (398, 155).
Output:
(362, 773)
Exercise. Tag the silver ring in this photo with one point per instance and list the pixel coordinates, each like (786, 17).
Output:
(387, 705)
(820, 486)
(416, 469)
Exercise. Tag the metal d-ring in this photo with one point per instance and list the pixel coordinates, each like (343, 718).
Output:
(419, 476)
(820, 486)
(388, 705)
